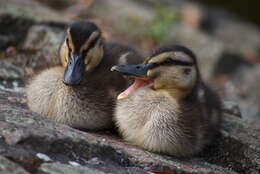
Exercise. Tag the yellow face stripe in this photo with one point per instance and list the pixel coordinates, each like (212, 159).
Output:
(174, 55)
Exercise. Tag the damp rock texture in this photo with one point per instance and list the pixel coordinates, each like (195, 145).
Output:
(35, 144)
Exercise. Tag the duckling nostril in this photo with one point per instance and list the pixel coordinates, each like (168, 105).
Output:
(138, 67)
(70, 62)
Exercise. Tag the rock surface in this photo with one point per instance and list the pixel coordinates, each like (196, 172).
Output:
(9, 167)
(25, 135)
(32, 10)
(10, 71)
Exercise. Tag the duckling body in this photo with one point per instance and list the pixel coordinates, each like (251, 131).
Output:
(89, 104)
(159, 123)
(166, 117)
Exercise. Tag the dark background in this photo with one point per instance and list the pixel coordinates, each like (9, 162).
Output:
(247, 10)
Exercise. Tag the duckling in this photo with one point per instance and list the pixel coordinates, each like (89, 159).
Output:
(81, 92)
(168, 109)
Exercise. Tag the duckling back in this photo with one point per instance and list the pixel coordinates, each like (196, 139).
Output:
(212, 108)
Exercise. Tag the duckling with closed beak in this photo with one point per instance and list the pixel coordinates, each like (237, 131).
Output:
(168, 109)
(81, 93)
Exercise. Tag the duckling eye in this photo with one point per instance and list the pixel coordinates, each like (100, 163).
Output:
(168, 60)
(85, 51)
(67, 42)
(91, 45)
(186, 71)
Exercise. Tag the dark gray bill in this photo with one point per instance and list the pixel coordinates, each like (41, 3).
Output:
(135, 71)
(74, 71)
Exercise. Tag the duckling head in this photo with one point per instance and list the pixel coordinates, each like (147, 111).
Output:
(171, 68)
(81, 51)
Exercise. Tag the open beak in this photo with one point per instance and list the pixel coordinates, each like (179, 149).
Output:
(74, 71)
(138, 71)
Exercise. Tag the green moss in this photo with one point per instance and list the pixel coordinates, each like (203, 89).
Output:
(156, 29)
(159, 28)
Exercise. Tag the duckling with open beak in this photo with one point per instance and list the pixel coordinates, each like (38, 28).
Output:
(162, 111)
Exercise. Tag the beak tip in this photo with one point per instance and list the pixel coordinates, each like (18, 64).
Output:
(70, 82)
(114, 68)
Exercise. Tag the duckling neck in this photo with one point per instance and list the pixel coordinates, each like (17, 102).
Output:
(99, 65)
(177, 94)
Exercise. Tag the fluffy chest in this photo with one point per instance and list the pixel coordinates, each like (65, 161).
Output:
(80, 100)
(146, 106)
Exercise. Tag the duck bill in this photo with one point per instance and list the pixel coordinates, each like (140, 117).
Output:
(74, 71)
(138, 71)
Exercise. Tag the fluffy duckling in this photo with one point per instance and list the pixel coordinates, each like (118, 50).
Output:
(82, 92)
(168, 109)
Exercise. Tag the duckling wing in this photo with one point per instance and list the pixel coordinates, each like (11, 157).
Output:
(122, 55)
(115, 54)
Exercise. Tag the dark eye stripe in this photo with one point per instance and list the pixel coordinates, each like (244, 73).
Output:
(91, 45)
(170, 61)
(93, 42)
(67, 42)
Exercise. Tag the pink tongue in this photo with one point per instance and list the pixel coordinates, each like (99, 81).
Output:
(131, 89)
